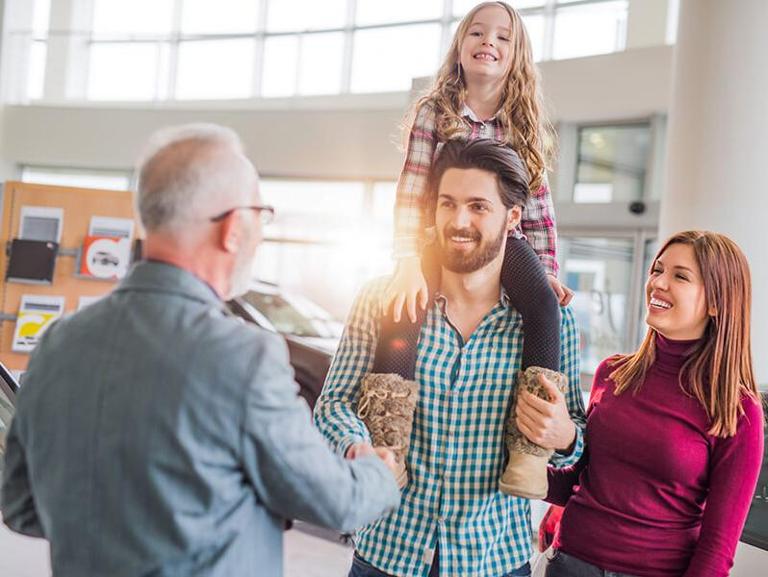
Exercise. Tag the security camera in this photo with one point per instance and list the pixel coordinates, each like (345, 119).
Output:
(637, 207)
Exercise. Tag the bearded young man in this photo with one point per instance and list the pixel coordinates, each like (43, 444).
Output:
(453, 520)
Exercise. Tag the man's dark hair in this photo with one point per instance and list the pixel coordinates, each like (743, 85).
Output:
(483, 154)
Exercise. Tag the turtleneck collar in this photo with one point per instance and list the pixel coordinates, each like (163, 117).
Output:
(671, 354)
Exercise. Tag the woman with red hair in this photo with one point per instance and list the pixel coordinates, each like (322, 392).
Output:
(675, 429)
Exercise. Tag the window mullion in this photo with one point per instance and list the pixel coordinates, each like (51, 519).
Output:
(349, 41)
(258, 59)
(173, 49)
(445, 28)
(299, 57)
(549, 11)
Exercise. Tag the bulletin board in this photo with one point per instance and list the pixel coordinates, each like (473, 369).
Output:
(78, 205)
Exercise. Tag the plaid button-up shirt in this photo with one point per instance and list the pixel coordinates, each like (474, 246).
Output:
(538, 219)
(457, 448)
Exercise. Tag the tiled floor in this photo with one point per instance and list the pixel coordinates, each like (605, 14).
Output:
(311, 556)
(305, 555)
(309, 552)
(22, 556)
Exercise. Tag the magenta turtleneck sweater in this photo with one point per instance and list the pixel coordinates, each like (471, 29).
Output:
(660, 497)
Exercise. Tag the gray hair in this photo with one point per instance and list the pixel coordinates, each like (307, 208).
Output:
(191, 172)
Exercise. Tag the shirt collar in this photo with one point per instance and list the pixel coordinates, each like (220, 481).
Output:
(467, 112)
(158, 276)
(441, 300)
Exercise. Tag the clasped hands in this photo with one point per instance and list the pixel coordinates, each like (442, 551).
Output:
(366, 450)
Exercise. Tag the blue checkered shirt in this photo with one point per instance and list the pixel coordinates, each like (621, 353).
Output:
(457, 449)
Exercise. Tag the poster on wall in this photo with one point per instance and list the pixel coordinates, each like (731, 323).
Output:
(31, 261)
(106, 251)
(111, 226)
(43, 223)
(105, 257)
(36, 314)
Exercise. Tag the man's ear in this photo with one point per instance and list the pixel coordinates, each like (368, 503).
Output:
(230, 233)
(514, 215)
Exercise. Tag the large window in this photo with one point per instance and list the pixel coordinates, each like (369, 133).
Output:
(80, 178)
(205, 67)
(377, 70)
(25, 49)
(606, 23)
(36, 79)
(606, 185)
(612, 163)
(147, 50)
(600, 272)
(328, 237)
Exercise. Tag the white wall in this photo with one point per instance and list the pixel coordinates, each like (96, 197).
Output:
(340, 143)
(718, 138)
(350, 137)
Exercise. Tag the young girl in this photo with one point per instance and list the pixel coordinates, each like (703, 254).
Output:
(675, 429)
(487, 87)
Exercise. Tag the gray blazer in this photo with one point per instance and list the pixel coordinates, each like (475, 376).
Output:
(156, 435)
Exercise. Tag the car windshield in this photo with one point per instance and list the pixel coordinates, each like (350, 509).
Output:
(295, 316)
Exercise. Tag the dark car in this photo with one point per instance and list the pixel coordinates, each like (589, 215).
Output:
(311, 333)
(8, 388)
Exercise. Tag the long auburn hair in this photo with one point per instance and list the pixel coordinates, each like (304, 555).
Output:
(522, 115)
(719, 371)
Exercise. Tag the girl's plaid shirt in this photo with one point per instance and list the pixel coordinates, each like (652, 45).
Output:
(457, 447)
(538, 222)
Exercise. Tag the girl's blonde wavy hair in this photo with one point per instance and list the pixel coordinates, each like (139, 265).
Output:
(521, 111)
(719, 371)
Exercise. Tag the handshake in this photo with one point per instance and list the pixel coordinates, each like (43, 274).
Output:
(366, 450)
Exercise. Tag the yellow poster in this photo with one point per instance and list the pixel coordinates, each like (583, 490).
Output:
(36, 314)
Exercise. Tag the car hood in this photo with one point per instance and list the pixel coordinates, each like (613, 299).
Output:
(326, 345)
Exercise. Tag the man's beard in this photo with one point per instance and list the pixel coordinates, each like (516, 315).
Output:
(461, 261)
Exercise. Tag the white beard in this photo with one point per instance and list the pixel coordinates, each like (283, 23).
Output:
(242, 275)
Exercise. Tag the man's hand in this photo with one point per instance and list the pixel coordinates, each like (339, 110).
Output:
(359, 450)
(546, 423)
(366, 450)
(564, 294)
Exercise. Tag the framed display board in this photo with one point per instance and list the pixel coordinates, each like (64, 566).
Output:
(66, 216)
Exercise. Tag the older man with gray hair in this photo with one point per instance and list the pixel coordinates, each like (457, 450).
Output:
(155, 434)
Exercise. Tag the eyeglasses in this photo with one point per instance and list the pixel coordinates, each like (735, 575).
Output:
(266, 213)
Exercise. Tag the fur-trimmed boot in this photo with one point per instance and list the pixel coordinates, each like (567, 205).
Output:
(387, 404)
(526, 472)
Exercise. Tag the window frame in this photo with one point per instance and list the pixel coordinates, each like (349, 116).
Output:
(165, 85)
(129, 174)
(635, 297)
